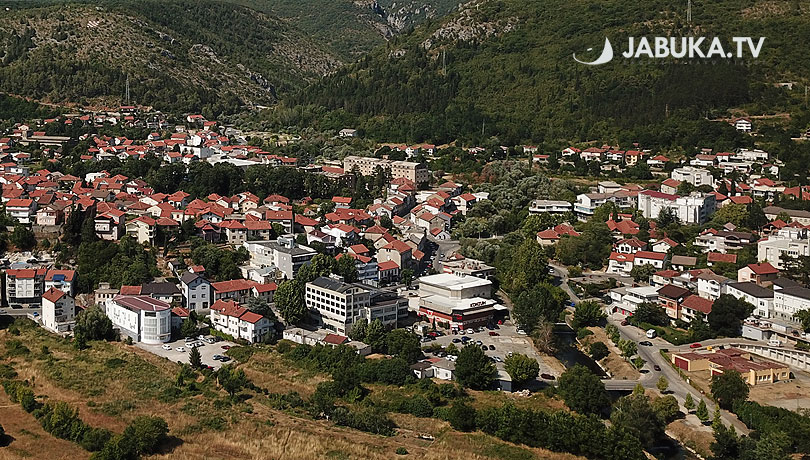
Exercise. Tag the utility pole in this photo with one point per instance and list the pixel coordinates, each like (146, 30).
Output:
(127, 95)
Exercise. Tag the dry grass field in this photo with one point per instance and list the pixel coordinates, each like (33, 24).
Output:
(112, 383)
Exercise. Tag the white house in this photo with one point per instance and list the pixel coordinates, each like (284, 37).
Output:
(743, 125)
(239, 322)
(758, 296)
(22, 209)
(58, 311)
(789, 301)
(196, 291)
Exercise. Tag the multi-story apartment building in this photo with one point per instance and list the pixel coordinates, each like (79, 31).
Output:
(415, 172)
(140, 317)
(239, 322)
(692, 175)
(338, 305)
(789, 301)
(587, 203)
(58, 311)
(64, 280)
(696, 208)
(788, 242)
(196, 290)
(758, 296)
(25, 286)
(284, 254)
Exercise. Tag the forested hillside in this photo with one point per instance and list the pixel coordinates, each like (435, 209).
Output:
(504, 68)
(350, 28)
(180, 55)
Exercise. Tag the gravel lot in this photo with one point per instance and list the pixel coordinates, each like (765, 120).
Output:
(507, 340)
(207, 351)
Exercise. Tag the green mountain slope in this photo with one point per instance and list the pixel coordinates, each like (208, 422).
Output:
(197, 55)
(504, 68)
(350, 28)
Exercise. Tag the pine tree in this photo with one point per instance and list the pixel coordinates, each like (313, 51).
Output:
(689, 403)
(702, 411)
(194, 358)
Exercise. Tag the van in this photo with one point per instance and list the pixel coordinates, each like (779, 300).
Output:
(774, 343)
(651, 333)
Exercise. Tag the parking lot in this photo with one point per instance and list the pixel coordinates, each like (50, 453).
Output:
(207, 351)
(507, 340)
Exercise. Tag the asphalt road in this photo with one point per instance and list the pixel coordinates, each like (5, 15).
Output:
(652, 355)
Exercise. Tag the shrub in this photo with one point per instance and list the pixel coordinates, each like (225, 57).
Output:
(419, 406)
(462, 417)
(284, 347)
(583, 332)
(598, 351)
(402, 451)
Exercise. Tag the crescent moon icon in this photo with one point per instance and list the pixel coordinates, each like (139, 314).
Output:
(606, 56)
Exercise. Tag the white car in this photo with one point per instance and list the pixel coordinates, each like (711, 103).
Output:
(167, 347)
(180, 349)
(521, 332)
(470, 331)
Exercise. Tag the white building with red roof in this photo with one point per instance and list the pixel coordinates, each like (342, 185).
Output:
(22, 209)
(239, 322)
(58, 311)
(141, 317)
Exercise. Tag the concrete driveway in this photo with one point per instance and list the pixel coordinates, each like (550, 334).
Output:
(207, 351)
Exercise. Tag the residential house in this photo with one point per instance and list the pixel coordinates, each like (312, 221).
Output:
(197, 292)
(670, 297)
(761, 273)
(239, 322)
(58, 311)
(758, 296)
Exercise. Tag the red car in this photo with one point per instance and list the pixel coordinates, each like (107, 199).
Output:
(695, 345)
(493, 333)
(226, 347)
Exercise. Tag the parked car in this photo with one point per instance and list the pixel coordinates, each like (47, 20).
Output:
(469, 331)
(657, 368)
(478, 342)
(493, 333)
(456, 340)
(166, 346)
(216, 357)
(225, 359)
(645, 343)
(625, 323)
(226, 347)
(492, 347)
(695, 345)
(521, 332)
(547, 376)
(180, 349)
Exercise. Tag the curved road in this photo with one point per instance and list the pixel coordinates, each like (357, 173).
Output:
(652, 355)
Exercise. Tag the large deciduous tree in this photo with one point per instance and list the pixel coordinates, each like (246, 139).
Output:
(474, 369)
(583, 391)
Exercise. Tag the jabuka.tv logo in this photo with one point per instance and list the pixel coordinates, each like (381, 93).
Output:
(681, 48)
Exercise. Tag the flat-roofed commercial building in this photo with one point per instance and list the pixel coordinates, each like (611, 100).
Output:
(458, 302)
(141, 317)
(338, 305)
